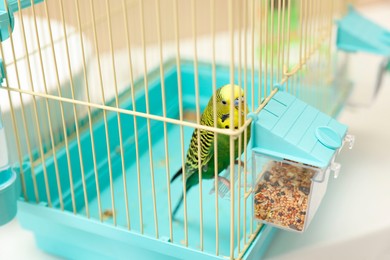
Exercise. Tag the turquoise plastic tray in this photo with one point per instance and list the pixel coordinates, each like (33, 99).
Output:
(74, 236)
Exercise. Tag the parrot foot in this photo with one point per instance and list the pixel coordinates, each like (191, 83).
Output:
(223, 188)
(240, 163)
(224, 181)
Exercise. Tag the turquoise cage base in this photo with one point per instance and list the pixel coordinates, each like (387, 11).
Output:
(75, 236)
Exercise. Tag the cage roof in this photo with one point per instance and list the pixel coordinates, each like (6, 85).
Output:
(288, 128)
(357, 33)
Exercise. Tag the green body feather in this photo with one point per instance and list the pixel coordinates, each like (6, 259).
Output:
(207, 140)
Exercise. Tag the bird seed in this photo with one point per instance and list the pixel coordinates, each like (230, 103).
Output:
(282, 194)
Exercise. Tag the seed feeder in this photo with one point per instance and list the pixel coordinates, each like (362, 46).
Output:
(294, 150)
(369, 45)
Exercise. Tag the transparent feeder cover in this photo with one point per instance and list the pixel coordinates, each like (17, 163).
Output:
(287, 194)
(283, 192)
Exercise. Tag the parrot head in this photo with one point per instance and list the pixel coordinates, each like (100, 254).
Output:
(224, 101)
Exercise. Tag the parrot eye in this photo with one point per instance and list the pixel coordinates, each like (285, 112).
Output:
(223, 102)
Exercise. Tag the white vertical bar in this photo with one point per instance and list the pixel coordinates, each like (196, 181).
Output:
(253, 53)
(278, 51)
(180, 94)
(158, 14)
(239, 124)
(245, 7)
(266, 55)
(300, 40)
(231, 155)
(311, 26)
(329, 35)
(245, 181)
(315, 52)
(194, 34)
(260, 58)
(321, 30)
(128, 42)
(304, 68)
(75, 111)
(62, 112)
(315, 19)
(118, 114)
(231, 138)
(53, 147)
(35, 112)
(319, 42)
(283, 39)
(148, 120)
(214, 86)
(308, 61)
(272, 45)
(287, 66)
(305, 79)
(89, 112)
(306, 24)
(104, 112)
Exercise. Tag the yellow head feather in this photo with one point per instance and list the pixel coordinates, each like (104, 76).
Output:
(224, 102)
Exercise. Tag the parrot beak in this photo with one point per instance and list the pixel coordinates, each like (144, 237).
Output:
(240, 101)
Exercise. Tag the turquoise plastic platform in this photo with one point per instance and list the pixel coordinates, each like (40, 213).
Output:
(288, 128)
(356, 33)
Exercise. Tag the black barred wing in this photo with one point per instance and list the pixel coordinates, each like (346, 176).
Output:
(206, 147)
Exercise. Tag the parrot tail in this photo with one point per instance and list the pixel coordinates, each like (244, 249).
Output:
(178, 204)
(180, 201)
(177, 174)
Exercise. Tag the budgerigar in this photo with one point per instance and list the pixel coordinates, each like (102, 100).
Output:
(223, 101)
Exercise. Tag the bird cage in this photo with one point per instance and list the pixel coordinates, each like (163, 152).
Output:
(101, 100)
